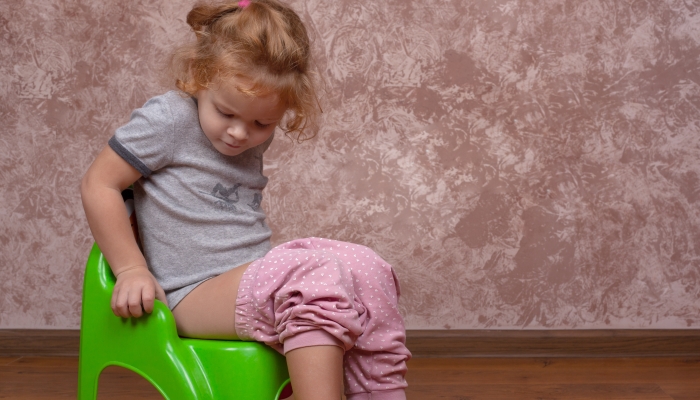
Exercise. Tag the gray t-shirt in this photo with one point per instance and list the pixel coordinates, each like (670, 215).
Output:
(198, 210)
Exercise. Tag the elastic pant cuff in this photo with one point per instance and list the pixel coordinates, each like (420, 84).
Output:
(395, 394)
(317, 337)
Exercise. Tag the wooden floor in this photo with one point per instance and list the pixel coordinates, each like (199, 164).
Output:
(429, 378)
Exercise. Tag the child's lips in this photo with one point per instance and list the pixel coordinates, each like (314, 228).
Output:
(232, 146)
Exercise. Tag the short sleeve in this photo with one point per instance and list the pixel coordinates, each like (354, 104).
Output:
(146, 141)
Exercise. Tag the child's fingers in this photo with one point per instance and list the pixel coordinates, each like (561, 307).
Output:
(147, 296)
(134, 303)
(120, 302)
(113, 302)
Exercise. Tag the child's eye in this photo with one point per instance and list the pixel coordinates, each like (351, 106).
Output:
(261, 125)
(224, 114)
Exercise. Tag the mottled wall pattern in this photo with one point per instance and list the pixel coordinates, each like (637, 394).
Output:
(522, 163)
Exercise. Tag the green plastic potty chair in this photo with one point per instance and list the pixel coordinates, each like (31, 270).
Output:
(180, 368)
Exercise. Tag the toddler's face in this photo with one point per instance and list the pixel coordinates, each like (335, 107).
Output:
(234, 121)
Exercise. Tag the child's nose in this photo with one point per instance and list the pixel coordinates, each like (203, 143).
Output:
(238, 131)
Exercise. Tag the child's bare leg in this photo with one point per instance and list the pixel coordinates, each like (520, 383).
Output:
(316, 372)
(218, 297)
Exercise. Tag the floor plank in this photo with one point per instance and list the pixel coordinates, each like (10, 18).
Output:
(537, 392)
(683, 391)
(440, 379)
(120, 383)
(38, 383)
(47, 362)
(554, 378)
(38, 378)
(8, 360)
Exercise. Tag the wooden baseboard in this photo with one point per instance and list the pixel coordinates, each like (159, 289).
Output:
(554, 343)
(445, 343)
(39, 342)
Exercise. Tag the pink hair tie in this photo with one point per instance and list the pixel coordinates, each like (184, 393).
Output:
(243, 3)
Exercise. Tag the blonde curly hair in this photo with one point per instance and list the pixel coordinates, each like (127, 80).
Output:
(261, 42)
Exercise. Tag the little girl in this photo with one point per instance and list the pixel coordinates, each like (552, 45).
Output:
(194, 157)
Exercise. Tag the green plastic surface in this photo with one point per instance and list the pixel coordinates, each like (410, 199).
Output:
(179, 368)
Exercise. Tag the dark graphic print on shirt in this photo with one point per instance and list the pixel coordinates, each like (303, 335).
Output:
(228, 198)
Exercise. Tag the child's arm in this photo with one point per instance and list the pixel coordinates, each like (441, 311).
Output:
(104, 207)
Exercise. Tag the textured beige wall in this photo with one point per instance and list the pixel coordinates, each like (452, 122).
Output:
(523, 164)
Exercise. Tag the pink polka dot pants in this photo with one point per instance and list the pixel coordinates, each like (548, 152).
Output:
(312, 292)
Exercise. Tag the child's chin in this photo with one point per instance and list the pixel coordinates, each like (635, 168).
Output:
(229, 151)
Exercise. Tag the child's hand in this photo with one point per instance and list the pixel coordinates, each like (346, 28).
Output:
(134, 292)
